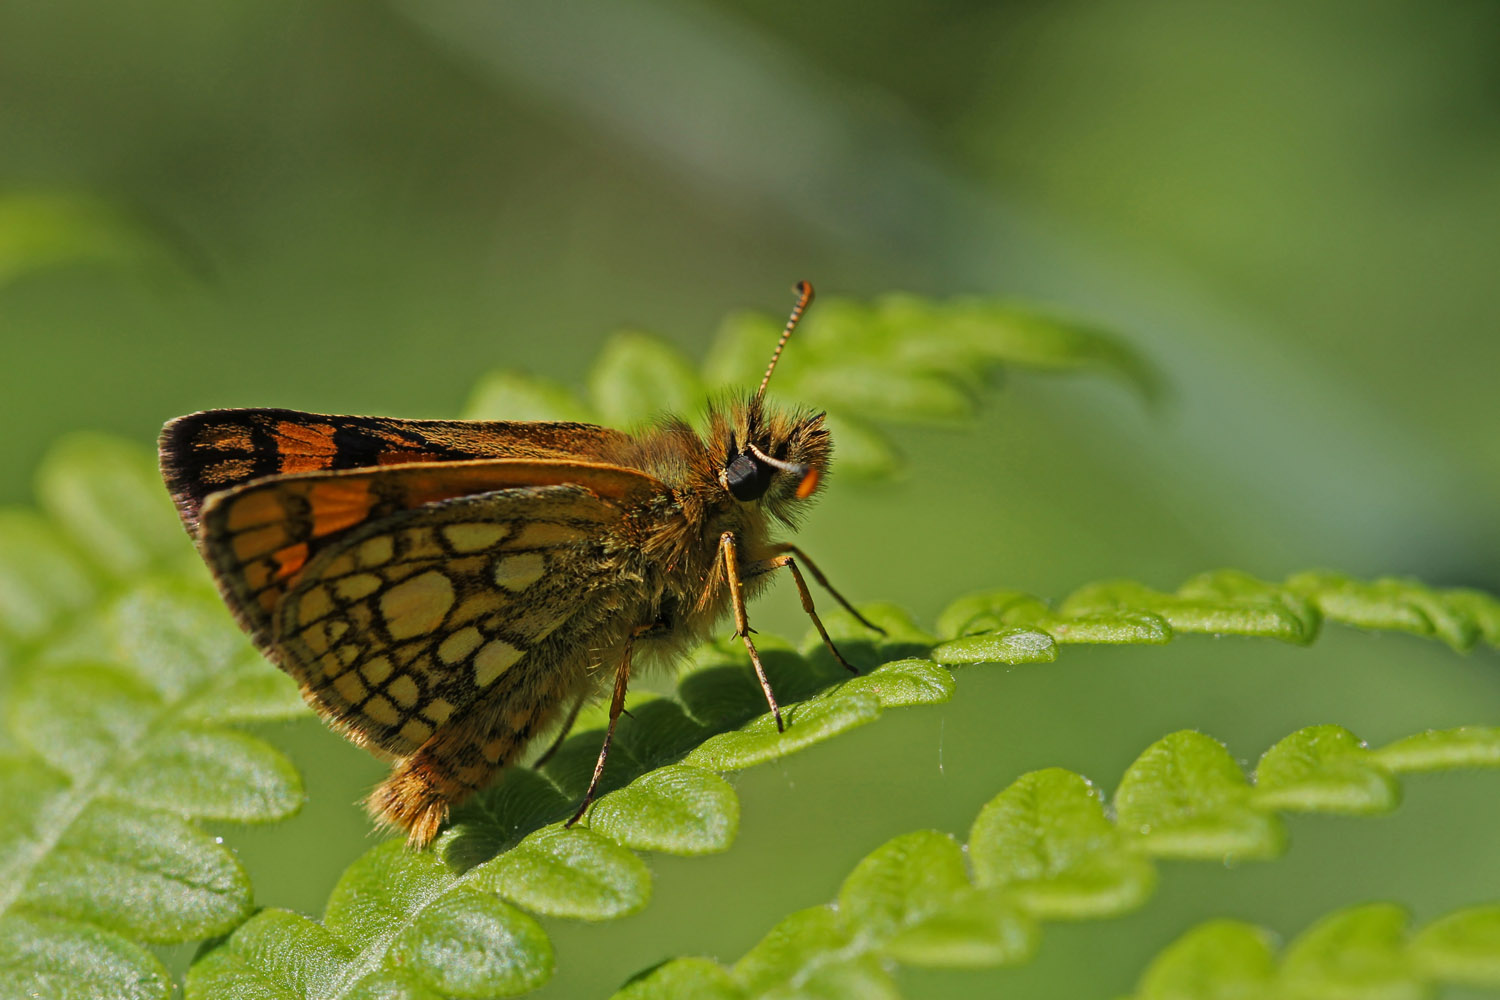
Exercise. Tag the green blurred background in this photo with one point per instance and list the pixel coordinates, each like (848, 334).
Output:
(1293, 209)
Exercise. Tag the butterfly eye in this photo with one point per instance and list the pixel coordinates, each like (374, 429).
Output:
(747, 479)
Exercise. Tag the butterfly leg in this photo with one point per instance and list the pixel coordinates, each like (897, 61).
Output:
(616, 707)
(737, 598)
(812, 568)
(767, 565)
(562, 734)
(742, 621)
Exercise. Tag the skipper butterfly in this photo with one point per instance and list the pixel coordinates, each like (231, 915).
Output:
(443, 591)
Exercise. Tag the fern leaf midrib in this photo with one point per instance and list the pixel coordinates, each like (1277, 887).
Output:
(372, 956)
(27, 655)
(79, 797)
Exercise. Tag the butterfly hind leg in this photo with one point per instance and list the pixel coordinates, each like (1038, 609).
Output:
(791, 550)
(562, 734)
(616, 708)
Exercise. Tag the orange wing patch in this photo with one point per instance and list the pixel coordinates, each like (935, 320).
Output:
(219, 450)
(304, 447)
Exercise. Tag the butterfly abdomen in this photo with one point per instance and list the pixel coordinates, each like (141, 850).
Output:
(464, 757)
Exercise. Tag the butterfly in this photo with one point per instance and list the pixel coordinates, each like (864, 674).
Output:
(443, 591)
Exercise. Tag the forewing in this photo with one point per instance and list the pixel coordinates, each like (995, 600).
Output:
(216, 450)
(412, 619)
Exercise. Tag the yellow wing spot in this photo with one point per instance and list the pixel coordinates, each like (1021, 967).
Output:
(347, 653)
(477, 605)
(377, 670)
(376, 551)
(494, 749)
(316, 638)
(319, 636)
(474, 537)
(314, 604)
(545, 535)
(417, 605)
(518, 572)
(257, 575)
(382, 711)
(350, 688)
(352, 588)
(494, 659)
(459, 645)
(260, 507)
(403, 690)
(340, 565)
(259, 541)
(438, 710)
(416, 731)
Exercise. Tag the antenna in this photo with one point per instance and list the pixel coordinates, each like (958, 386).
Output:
(804, 290)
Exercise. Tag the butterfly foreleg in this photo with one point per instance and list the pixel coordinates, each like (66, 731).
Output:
(775, 563)
(616, 708)
(730, 554)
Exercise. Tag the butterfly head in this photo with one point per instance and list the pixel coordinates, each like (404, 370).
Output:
(777, 458)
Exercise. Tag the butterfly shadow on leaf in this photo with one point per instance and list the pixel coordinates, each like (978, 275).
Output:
(718, 692)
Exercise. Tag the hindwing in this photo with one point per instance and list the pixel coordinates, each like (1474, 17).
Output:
(412, 619)
(397, 597)
(258, 538)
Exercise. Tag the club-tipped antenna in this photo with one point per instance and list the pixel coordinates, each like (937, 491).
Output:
(804, 290)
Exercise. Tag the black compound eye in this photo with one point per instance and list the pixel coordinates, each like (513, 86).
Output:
(748, 479)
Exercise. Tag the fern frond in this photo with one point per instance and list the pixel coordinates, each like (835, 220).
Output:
(900, 359)
(1048, 848)
(1368, 950)
(121, 679)
(1007, 626)
(507, 853)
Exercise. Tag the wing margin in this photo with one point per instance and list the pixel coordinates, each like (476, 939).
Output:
(216, 450)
